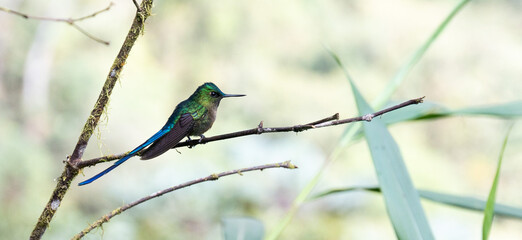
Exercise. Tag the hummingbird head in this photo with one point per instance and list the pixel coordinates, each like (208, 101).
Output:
(209, 95)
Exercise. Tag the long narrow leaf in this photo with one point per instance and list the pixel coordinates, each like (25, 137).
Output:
(414, 59)
(429, 110)
(351, 131)
(490, 205)
(465, 202)
(470, 203)
(510, 109)
(400, 196)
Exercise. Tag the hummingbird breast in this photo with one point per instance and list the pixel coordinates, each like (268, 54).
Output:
(203, 123)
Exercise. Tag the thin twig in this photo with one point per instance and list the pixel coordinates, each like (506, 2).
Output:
(211, 177)
(70, 21)
(93, 14)
(137, 5)
(63, 182)
(331, 118)
(326, 122)
(89, 35)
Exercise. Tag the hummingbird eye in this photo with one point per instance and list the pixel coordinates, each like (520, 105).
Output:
(214, 94)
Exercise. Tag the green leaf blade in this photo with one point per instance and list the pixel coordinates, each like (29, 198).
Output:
(505, 110)
(430, 111)
(465, 202)
(401, 198)
(489, 211)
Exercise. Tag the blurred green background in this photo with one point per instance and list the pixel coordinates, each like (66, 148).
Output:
(51, 75)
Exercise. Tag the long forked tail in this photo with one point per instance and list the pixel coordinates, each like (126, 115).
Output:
(90, 180)
(131, 154)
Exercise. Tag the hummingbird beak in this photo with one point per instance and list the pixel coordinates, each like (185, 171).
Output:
(233, 95)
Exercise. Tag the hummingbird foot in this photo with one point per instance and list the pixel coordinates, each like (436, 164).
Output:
(201, 138)
(200, 141)
(190, 145)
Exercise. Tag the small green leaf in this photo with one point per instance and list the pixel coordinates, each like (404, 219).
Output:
(242, 228)
(490, 205)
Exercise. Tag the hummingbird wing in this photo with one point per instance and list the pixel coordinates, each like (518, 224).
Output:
(180, 130)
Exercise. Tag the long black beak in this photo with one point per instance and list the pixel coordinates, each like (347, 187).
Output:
(233, 95)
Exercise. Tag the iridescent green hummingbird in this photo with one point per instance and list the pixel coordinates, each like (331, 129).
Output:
(192, 117)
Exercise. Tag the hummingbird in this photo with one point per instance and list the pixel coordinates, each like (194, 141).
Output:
(192, 117)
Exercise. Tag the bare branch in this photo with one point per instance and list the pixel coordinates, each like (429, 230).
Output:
(326, 122)
(211, 177)
(63, 182)
(70, 21)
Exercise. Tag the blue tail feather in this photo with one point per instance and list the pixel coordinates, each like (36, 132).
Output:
(131, 154)
(105, 171)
